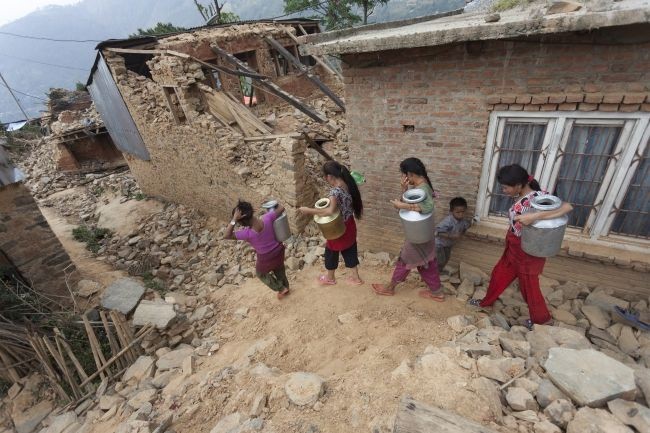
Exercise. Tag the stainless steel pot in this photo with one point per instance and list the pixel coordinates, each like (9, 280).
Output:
(332, 226)
(281, 224)
(543, 238)
(418, 227)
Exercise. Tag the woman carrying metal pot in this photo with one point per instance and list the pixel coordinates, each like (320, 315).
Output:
(422, 255)
(344, 197)
(258, 232)
(515, 263)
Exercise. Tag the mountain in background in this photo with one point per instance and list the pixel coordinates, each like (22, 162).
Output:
(98, 20)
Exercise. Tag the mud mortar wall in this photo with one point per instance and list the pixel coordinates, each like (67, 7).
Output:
(199, 163)
(29, 243)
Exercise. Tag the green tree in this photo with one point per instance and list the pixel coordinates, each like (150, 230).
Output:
(158, 29)
(336, 14)
(368, 7)
(214, 13)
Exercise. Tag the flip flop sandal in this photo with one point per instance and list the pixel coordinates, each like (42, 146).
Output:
(324, 281)
(379, 289)
(475, 302)
(283, 294)
(355, 282)
(629, 317)
(426, 294)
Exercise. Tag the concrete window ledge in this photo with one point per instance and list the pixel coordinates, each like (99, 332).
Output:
(626, 255)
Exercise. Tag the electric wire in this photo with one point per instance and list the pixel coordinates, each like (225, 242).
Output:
(43, 63)
(40, 38)
(23, 93)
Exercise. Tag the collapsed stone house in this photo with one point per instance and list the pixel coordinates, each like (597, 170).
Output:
(76, 132)
(566, 94)
(186, 110)
(29, 249)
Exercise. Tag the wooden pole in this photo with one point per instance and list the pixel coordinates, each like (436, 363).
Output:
(115, 347)
(60, 361)
(94, 346)
(80, 370)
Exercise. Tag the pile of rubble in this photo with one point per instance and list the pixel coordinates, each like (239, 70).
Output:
(588, 373)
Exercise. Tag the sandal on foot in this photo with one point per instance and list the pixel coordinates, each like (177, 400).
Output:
(283, 293)
(381, 290)
(355, 282)
(427, 294)
(475, 302)
(324, 281)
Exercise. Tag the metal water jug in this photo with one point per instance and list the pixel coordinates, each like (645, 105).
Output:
(418, 227)
(281, 224)
(332, 226)
(543, 238)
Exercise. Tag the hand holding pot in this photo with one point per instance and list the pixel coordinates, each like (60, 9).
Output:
(527, 218)
(398, 204)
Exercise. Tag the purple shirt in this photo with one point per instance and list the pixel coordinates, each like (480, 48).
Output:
(264, 241)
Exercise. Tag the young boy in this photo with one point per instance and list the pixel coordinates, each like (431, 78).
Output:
(450, 229)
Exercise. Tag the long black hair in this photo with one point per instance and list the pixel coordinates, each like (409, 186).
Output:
(247, 212)
(415, 166)
(340, 171)
(515, 174)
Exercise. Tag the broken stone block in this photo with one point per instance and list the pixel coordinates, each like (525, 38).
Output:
(122, 295)
(466, 289)
(258, 405)
(188, 365)
(519, 399)
(546, 427)
(26, 421)
(580, 375)
(588, 420)
(458, 323)
(627, 342)
(631, 413)
(472, 273)
(543, 337)
(596, 316)
(174, 358)
(564, 316)
(529, 385)
(515, 344)
(87, 288)
(229, 424)
(563, 7)
(502, 369)
(304, 389)
(526, 415)
(490, 395)
(560, 412)
(605, 301)
(106, 402)
(547, 393)
(61, 422)
(142, 367)
(157, 313)
(642, 379)
(142, 397)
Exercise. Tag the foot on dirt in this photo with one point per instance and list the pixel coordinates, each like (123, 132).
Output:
(381, 290)
(283, 293)
(324, 281)
(427, 294)
(355, 282)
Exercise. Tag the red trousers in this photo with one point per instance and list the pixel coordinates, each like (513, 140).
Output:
(515, 263)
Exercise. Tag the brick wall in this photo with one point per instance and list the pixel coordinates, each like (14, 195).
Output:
(28, 242)
(446, 94)
(91, 153)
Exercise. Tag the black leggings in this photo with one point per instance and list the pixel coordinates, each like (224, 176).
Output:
(350, 257)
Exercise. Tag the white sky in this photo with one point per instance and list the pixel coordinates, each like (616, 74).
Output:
(13, 9)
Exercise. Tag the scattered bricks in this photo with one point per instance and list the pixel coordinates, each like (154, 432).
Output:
(508, 99)
(568, 106)
(622, 261)
(587, 107)
(634, 98)
(516, 107)
(577, 97)
(608, 107)
(548, 107)
(629, 108)
(591, 88)
(494, 100)
(556, 99)
(615, 98)
(531, 107)
(500, 107)
(523, 99)
(593, 99)
(537, 99)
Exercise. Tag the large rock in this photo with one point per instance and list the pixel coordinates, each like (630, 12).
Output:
(627, 342)
(547, 393)
(26, 421)
(489, 395)
(589, 377)
(519, 399)
(544, 337)
(229, 424)
(546, 427)
(502, 369)
(560, 412)
(174, 359)
(157, 313)
(107, 402)
(61, 423)
(122, 295)
(140, 398)
(588, 420)
(304, 388)
(631, 413)
(642, 378)
(605, 301)
(515, 344)
(472, 273)
(87, 288)
(141, 368)
(458, 323)
(596, 316)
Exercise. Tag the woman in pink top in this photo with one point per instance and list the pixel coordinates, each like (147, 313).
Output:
(259, 233)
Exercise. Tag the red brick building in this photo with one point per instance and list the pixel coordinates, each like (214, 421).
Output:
(566, 95)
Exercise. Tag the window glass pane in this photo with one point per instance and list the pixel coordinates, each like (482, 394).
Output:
(633, 217)
(586, 157)
(521, 144)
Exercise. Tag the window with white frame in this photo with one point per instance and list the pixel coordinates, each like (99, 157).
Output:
(598, 162)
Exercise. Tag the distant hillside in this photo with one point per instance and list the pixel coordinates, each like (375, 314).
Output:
(105, 19)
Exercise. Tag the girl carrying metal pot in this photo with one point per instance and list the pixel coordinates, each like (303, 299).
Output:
(423, 255)
(515, 263)
(344, 196)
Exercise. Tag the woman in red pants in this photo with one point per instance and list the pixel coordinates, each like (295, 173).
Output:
(515, 263)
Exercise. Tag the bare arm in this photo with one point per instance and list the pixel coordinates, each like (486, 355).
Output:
(329, 210)
(229, 234)
(279, 209)
(531, 217)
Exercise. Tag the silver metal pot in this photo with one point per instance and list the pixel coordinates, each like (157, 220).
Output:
(418, 227)
(281, 224)
(543, 238)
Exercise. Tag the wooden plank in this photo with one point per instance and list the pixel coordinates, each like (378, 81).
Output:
(271, 137)
(123, 325)
(112, 342)
(321, 61)
(311, 143)
(247, 114)
(41, 354)
(98, 356)
(60, 361)
(135, 51)
(271, 87)
(245, 127)
(416, 417)
(6, 363)
(68, 350)
(218, 109)
(311, 77)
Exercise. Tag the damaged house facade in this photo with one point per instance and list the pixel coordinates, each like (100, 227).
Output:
(186, 110)
(564, 94)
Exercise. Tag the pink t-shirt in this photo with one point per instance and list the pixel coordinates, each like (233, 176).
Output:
(264, 241)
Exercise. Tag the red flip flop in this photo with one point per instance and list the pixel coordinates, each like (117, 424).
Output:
(426, 294)
(381, 290)
(324, 281)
